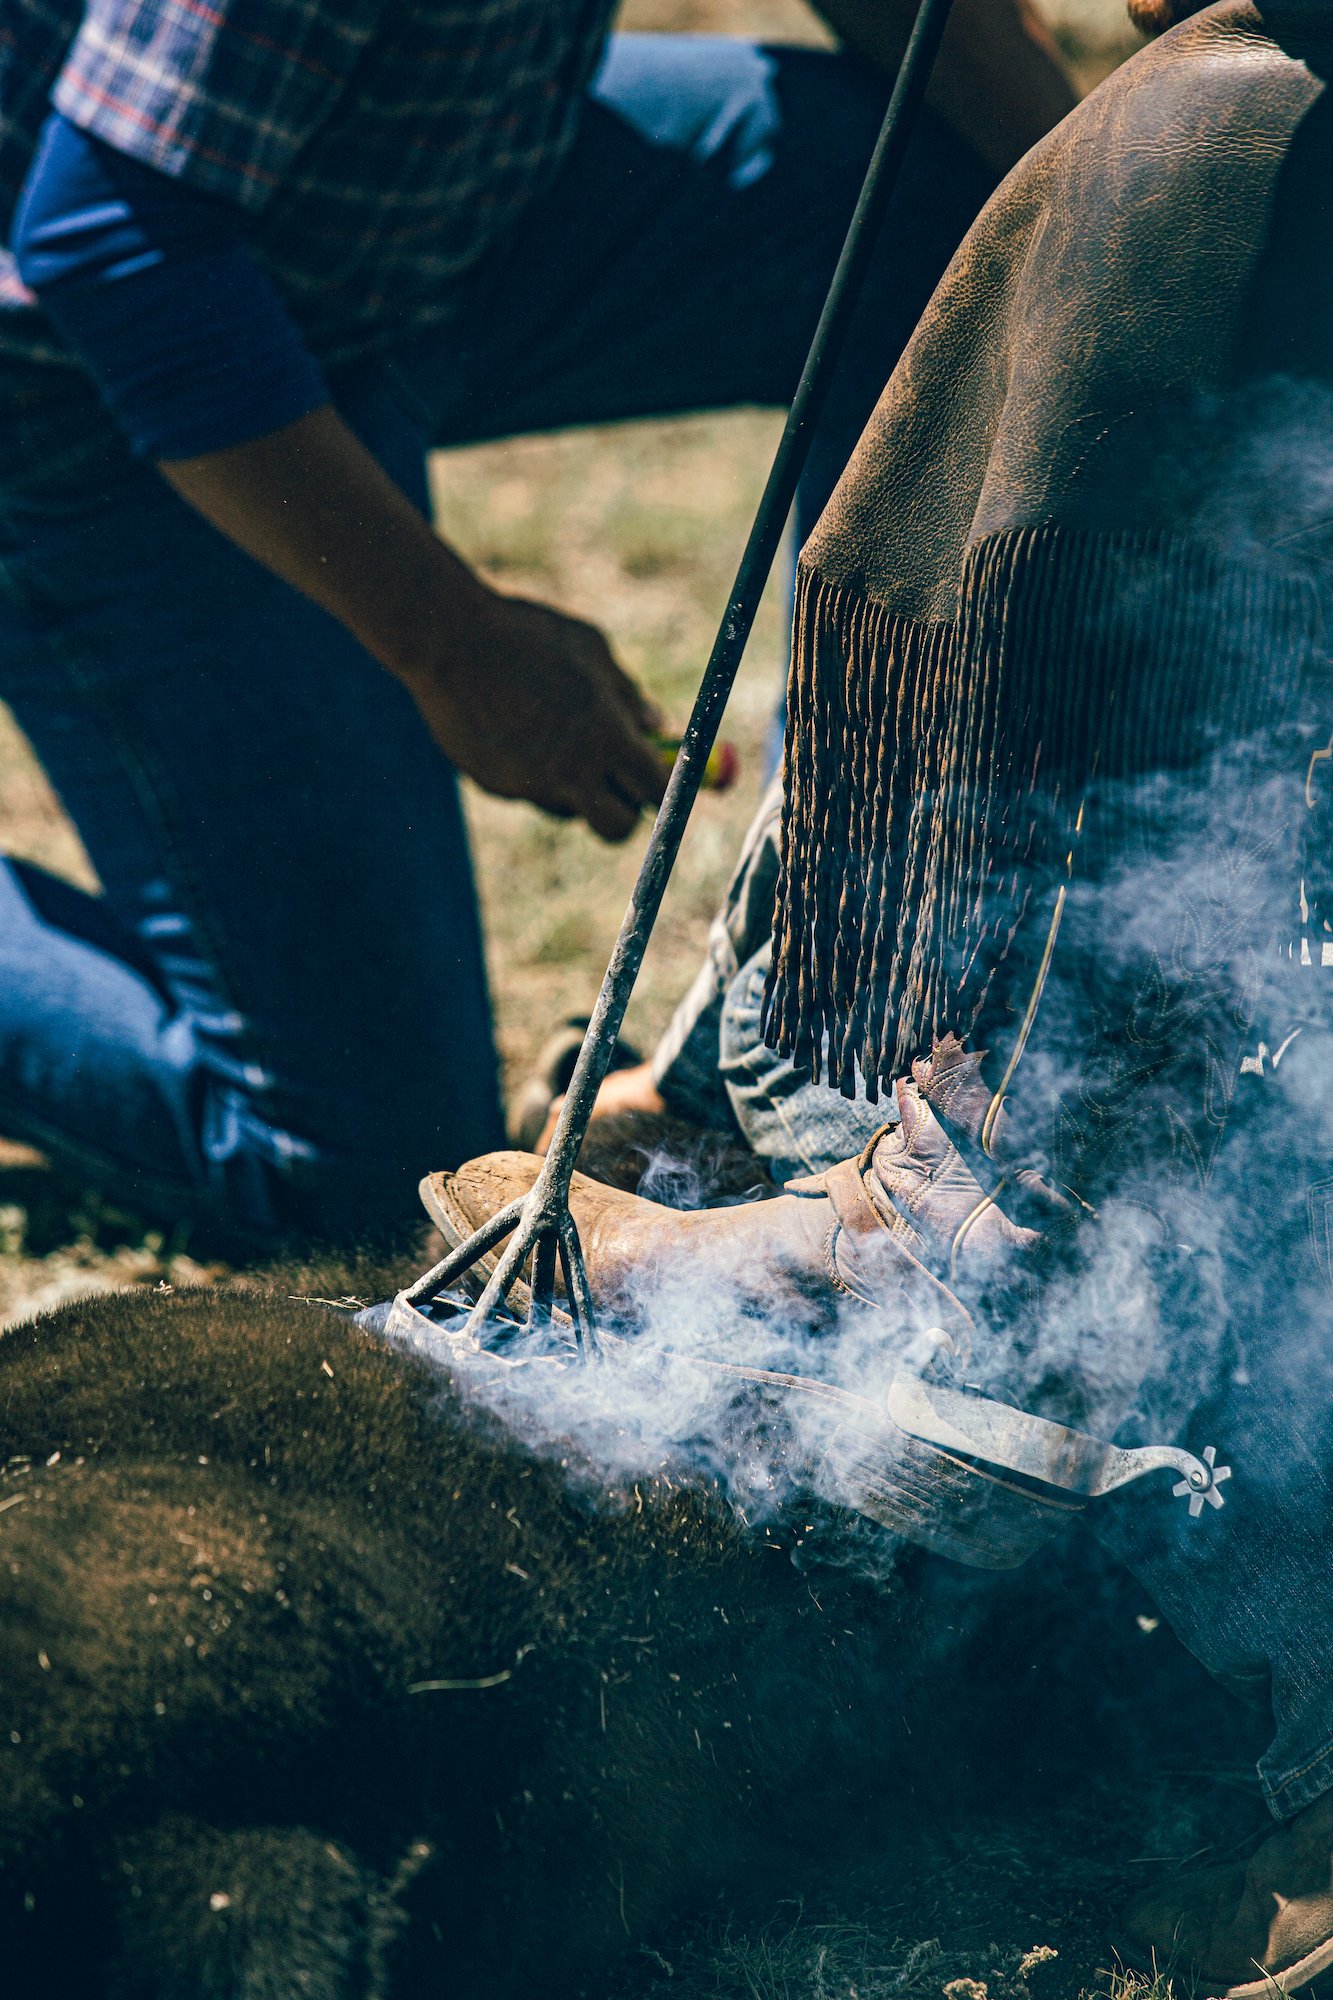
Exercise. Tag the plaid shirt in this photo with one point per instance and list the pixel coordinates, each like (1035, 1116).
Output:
(379, 147)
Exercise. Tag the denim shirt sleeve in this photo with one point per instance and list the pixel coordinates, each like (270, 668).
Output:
(685, 1064)
(154, 289)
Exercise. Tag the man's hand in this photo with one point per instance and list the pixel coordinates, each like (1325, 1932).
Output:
(527, 701)
(541, 711)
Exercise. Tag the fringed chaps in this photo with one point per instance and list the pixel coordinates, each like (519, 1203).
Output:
(941, 778)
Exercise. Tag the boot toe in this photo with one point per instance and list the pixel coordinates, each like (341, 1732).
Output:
(461, 1202)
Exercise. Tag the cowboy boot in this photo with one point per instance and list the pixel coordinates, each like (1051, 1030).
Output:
(908, 1229)
(1249, 1930)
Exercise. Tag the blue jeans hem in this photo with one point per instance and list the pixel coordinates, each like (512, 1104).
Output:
(1289, 1792)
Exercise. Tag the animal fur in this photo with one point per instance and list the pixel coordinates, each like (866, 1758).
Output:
(238, 1535)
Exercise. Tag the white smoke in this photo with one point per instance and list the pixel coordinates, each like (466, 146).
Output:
(1208, 1268)
(1126, 1342)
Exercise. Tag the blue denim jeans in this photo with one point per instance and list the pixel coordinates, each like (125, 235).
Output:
(712, 1065)
(276, 1014)
(1243, 1587)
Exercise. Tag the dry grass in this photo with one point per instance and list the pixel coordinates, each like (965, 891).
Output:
(989, 1912)
(805, 1959)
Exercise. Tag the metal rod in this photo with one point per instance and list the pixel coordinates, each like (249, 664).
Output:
(578, 1288)
(546, 1209)
(496, 1288)
(465, 1256)
(543, 1284)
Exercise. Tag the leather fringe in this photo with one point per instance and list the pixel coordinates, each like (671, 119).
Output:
(937, 773)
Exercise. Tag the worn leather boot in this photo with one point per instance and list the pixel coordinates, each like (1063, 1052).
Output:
(908, 1229)
(1259, 1927)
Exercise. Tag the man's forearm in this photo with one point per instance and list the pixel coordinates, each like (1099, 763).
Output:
(999, 81)
(311, 504)
(525, 700)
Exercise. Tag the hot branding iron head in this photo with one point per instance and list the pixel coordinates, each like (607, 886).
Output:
(947, 1467)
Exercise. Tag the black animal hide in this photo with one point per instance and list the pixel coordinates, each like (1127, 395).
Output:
(240, 1539)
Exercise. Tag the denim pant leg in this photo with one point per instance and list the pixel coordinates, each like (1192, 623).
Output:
(277, 1015)
(1249, 1588)
(712, 1064)
(680, 259)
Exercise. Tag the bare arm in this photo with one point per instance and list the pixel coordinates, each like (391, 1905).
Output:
(526, 701)
(999, 81)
